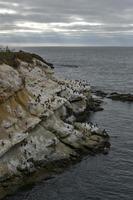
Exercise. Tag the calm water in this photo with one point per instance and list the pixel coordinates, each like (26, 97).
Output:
(101, 177)
(106, 68)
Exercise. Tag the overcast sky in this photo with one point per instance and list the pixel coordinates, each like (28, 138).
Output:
(66, 22)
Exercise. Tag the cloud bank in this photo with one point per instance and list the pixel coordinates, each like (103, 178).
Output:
(71, 22)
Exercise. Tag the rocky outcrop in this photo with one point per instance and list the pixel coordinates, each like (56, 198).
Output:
(121, 97)
(39, 122)
(116, 96)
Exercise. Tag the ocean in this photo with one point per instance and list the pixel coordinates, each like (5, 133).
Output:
(100, 177)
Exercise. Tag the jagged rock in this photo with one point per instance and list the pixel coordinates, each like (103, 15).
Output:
(38, 120)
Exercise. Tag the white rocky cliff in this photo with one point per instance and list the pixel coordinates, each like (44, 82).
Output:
(39, 121)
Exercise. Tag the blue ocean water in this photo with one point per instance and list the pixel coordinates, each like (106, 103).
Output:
(100, 177)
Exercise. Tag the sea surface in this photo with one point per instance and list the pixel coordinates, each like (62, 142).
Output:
(100, 177)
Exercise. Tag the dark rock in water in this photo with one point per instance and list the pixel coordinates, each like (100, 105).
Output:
(106, 148)
(95, 105)
(98, 109)
(69, 65)
(114, 95)
(100, 93)
(121, 97)
(50, 64)
(106, 151)
(107, 144)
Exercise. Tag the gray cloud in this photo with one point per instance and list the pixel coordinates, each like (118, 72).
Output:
(71, 22)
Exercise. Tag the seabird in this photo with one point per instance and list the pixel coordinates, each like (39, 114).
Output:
(9, 136)
(3, 143)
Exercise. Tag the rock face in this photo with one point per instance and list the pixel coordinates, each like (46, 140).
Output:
(38, 122)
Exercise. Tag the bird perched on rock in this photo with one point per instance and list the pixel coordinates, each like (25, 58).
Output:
(3, 143)
(9, 135)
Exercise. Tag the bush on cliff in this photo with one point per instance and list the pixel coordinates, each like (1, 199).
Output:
(11, 57)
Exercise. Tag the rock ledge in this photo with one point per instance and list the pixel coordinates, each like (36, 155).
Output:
(40, 128)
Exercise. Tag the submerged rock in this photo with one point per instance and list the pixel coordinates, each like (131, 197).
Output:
(121, 97)
(99, 93)
(116, 96)
(40, 126)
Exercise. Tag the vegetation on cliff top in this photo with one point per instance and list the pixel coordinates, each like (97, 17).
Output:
(11, 57)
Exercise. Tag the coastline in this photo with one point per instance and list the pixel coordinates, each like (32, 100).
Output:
(40, 122)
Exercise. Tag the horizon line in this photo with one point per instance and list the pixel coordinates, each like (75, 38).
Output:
(58, 45)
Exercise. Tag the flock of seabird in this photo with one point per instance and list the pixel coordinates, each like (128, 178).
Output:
(75, 86)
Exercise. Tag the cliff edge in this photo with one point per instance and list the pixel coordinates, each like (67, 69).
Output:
(40, 120)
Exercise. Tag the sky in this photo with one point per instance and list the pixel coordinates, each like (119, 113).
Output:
(66, 22)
